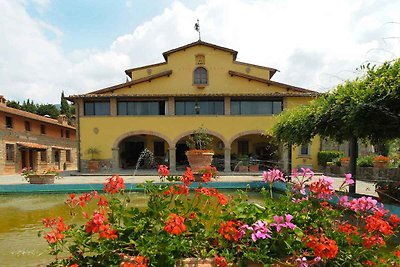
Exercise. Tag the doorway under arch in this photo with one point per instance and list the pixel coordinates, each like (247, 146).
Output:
(256, 151)
(153, 149)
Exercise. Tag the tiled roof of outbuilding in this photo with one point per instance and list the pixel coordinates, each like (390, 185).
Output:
(32, 116)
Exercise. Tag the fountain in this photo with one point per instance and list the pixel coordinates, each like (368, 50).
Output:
(145, 154)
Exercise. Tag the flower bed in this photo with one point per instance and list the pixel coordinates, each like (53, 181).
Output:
(299, 229)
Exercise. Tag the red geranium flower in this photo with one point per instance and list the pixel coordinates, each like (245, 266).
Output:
(229, 230)
(220, 261)
(163, 170)
(114, 184)
(188, 177)
(175, 224)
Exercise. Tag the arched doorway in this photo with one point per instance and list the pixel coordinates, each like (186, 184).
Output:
(256, 152)
(142, 150)
(217, 146)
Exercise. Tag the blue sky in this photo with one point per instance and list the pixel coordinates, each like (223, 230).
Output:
(96, 24)
(77, 46)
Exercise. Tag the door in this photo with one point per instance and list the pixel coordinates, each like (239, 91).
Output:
(133, 150)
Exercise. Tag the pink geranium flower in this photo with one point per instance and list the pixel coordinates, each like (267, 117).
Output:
(273, 176)
(348, 180)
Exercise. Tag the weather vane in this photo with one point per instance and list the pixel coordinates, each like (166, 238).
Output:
(197, 28)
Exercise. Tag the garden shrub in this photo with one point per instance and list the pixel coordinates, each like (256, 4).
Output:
(365, 161)
(325, 156)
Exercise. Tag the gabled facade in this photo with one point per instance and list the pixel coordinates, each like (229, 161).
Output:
(36, 142)
(199, 84)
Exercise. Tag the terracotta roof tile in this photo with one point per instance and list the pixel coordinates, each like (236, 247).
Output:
(32, 116)
(199, 42)
(32, 145)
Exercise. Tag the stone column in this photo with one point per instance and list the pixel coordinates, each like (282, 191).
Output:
(227, 105)
(171, 106)
(115, 159)
(80, 109)
(227, 159)
(113, 106)
(172, 158)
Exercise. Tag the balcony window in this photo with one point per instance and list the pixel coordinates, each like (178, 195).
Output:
(199, 107)
(256, 107)
(141, 108)
(97, 108)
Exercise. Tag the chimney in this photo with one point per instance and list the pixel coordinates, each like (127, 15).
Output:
(2, 101)
(73, 120)
(62, 119)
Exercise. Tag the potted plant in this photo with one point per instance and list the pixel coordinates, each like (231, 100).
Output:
(43, 176)
(243, 163)
(344, 162)
(93, 164)
(388, 191)
(199, 154)
(380, 161)
(254, 165)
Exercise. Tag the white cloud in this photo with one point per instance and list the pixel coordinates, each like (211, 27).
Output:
(315, 44)
(129, 3)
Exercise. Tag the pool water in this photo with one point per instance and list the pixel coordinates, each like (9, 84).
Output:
(21, 221)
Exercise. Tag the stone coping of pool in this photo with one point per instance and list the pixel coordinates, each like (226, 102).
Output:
(137, 187)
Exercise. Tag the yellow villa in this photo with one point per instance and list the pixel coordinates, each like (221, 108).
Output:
(199, 84)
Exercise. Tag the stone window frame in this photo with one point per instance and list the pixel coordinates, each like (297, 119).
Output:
(27, 126)
(302, 149)
(42, 129)
(196, 73)
(43, 156)
(9, 122)
(68, 157)
(10, 152)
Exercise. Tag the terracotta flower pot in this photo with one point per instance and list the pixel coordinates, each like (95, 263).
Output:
(254, 168)
(199, 159)
(93, 166)
(380, 164)
(41, 179)
(243, 168)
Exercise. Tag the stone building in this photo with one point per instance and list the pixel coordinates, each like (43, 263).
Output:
(33, 141)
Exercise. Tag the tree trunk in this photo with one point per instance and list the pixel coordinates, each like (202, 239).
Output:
(289, 163)
(353, 162)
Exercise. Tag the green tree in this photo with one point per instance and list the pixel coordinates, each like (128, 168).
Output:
(65, 108)
(29, 106)
(13, 104)
(366, 108)
(48, 109)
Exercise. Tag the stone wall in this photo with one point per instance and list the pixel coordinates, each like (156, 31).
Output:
(105, 165)
(12, 167)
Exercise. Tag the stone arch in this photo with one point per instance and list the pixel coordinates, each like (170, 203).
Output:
(236, 136)
(216, 134)
(128, 134)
